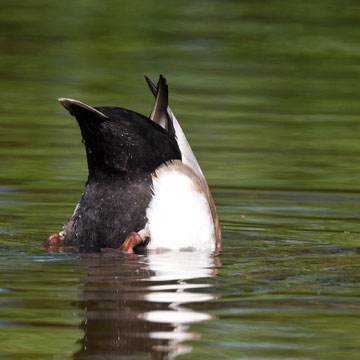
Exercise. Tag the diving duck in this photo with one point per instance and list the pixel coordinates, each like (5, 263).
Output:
(145, 187)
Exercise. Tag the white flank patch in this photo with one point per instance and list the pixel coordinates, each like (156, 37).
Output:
(179, 215)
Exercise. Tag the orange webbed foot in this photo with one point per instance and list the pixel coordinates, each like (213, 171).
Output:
(52, 240)
(132, 240)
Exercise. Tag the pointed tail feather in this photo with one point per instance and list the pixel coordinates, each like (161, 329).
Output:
(188, 156)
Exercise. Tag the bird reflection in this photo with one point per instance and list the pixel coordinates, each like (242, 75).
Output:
(137, 305)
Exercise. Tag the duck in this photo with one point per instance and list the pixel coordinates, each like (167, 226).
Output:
(145, 188)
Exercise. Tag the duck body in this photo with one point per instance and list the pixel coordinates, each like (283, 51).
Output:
(139, 192)
(109, 209)
(179, 215)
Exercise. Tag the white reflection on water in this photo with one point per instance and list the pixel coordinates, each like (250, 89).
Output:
(180, 267)
(140, 304)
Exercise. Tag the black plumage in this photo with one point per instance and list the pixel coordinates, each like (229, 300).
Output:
(123, 149)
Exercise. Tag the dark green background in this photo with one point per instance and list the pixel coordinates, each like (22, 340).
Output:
(268, 95)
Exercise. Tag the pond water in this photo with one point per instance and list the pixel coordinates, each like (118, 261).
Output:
(267, 93)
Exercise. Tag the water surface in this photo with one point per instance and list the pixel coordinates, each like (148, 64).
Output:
(267, 93)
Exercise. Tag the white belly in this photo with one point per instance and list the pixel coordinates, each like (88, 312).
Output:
(179, 215)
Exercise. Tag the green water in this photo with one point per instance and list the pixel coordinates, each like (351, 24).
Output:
(267, 93)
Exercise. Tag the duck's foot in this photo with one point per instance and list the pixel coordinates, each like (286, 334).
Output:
(134, 239)
(127, 247)
(54, 241)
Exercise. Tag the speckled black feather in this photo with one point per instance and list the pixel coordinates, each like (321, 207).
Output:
(123, 149)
